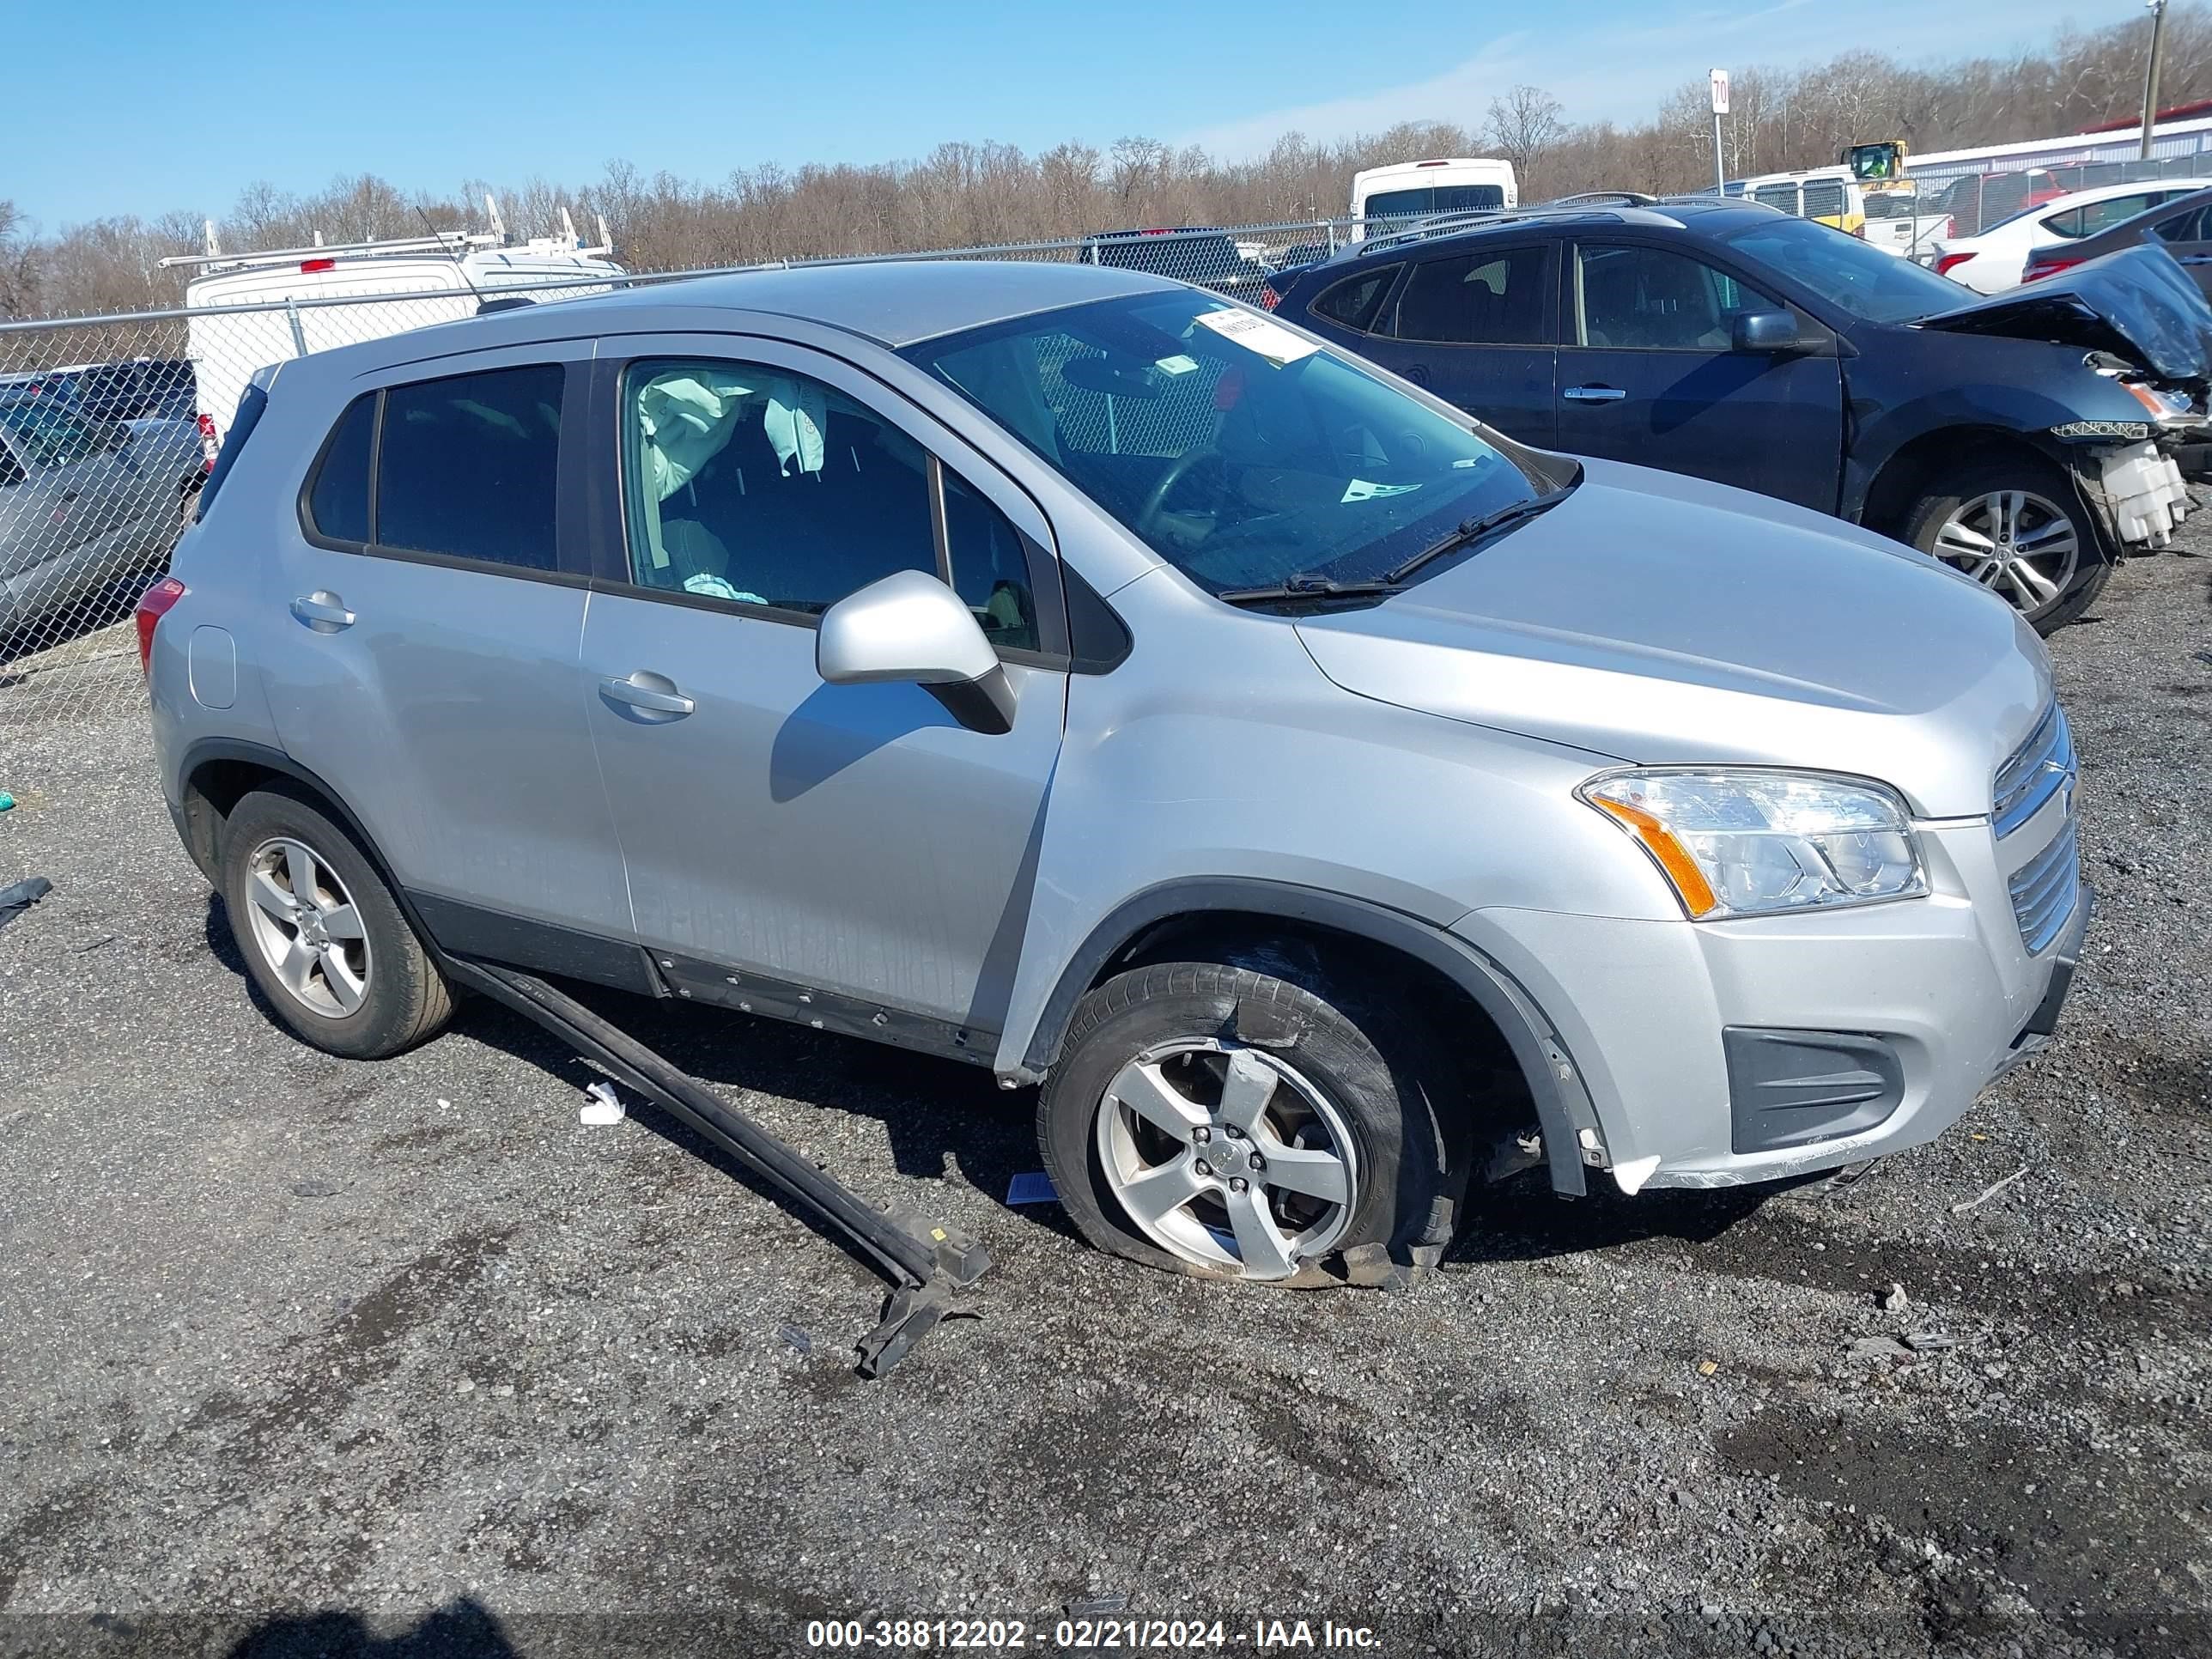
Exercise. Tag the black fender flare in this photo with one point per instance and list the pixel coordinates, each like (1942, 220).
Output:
(1564, 1108)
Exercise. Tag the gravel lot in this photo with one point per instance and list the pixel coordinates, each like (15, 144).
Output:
(300, 1356)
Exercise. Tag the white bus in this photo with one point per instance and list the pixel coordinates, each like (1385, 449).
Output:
(1420, 190)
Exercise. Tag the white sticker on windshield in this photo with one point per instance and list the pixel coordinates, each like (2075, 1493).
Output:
(1360, 490)
(1260, 335)
(1181, 363)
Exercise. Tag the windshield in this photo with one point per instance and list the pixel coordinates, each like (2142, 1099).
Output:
(1847, 272)
(49, 435)
(1233, 447)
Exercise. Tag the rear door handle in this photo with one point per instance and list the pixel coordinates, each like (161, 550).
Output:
(1594, 394)
(645, 689)
(322, 611)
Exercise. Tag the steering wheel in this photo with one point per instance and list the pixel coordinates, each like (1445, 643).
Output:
(1181, 467)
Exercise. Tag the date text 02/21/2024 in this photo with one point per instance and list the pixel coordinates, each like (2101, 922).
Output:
(1093, 1635)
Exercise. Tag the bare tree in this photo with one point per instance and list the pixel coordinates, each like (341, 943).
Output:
(1523, 127)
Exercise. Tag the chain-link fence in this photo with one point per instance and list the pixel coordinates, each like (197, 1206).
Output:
(108, 424)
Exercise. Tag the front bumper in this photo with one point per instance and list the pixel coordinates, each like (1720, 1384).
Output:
(1944, 986)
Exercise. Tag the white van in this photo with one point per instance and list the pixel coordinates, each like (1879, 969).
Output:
(1415, 189)
(451, 272)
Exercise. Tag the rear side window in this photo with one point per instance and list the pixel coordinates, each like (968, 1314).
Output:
(1493, 297)
(466, 466)
(1352, 301)
(1777, 196)
(1824, 200)
(2183, 227)
(337, 500)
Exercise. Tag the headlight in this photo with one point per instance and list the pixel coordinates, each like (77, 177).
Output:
(1748, 843)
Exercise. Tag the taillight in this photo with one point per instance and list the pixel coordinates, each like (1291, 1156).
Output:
(210, 444)
(154, 604)
(1269, 298)
(2041, 268)
(312, 267)
(1948, 262)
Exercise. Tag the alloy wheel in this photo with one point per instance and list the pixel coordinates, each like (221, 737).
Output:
(2014, 542)
(1226, 1156)
(304, 923)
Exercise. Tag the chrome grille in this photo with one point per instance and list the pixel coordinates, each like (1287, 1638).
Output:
(2046, 888)
(2038, 769)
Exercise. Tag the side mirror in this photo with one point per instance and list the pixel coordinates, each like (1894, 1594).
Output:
(911, 627)
(1765, 330)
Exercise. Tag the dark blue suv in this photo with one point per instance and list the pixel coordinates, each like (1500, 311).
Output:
(2025, 440)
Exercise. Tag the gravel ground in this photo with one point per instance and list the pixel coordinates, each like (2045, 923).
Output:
(300, 1356)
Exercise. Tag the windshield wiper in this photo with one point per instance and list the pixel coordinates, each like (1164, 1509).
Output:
(1472, 530)
(1305, 585)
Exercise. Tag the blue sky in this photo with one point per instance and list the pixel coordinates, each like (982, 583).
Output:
(179, 107)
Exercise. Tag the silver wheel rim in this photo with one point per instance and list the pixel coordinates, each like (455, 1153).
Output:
(304, 923)
(1226, 1158)
(2013, 542)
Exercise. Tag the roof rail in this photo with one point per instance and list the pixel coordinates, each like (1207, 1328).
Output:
(447, 241)
(1637, 212)
(1591, 198)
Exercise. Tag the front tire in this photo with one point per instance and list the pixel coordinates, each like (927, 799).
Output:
(321, 934)
(1221, 1121)
(2016, 525)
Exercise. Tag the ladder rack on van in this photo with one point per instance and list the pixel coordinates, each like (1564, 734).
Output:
(448, 242)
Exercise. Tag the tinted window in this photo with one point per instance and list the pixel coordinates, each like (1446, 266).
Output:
(337, 502)
(1776, 196)
(1234, 449)
(1846, 272)
(1651, 299)
(467, 466)
(1825, 199)
(990, 569)
(753, 483)
(47, 435)
(1441, 198)
(2185, 226)
(1352, 300)
(2103, 216)
(1493, 297)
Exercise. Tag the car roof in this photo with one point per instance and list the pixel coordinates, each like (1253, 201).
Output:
(894, 302)
(1706, 215)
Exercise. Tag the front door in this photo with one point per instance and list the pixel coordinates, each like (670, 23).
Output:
(785, 838)
(1478, 330)
(1647, 374)
(422, 657)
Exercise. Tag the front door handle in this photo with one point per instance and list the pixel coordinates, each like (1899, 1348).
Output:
(655, 693)
(1594, 394)
(322, 611)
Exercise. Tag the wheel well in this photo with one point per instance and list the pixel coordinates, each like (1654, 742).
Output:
(213, 792)
(1905, 477)
(1493, 1088)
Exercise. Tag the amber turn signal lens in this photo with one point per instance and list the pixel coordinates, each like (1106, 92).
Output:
(1697, 893)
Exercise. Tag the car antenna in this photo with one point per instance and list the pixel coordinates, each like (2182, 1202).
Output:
(460, 265)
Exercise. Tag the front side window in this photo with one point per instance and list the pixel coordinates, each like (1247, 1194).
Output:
(1493, 297)
(466, 466)
(1846, 271)
(752, 483)
(1649, 299)
(1235, 447)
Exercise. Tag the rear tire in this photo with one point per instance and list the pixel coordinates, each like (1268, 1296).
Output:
(321, 934)
(1221, 1121)
(2016, 524)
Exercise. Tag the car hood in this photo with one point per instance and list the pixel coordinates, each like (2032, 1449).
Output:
(1663, 620)
(2137, 304)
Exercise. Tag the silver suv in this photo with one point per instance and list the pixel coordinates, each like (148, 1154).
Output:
(1331, 802)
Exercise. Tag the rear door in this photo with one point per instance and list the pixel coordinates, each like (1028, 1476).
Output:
(1479, 328)
(423, 652)
(1647, 373)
